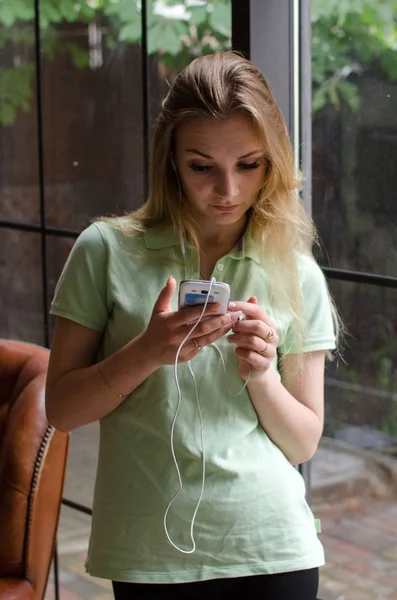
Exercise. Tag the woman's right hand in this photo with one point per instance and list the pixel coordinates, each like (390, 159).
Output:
(167, 328)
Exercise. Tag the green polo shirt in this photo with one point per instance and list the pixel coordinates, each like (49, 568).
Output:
(253, 518)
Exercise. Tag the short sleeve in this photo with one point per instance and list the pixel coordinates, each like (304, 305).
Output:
(81, 292)
(318, 322)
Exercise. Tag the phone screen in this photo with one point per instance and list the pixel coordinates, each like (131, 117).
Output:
(192, 299)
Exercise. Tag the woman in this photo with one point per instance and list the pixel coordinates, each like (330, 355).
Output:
(222, 203)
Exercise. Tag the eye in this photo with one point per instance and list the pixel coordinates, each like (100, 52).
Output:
(199, 168)
(249, 166)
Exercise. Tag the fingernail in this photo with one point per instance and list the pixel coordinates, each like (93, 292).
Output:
(232, 305)
(236, 316)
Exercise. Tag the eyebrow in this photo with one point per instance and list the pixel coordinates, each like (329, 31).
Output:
(194, 151)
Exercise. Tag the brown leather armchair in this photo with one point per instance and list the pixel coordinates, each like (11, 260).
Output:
(32, 470)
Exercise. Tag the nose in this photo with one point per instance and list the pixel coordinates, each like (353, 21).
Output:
(226, 186)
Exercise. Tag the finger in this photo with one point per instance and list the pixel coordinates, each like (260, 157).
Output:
(254, 343)
(257, 361)
(189, 314)
(212, 337)
(195, 344)
(252, 311)
(258, 328)
(225, 322)
(215, 328)
(163, 302)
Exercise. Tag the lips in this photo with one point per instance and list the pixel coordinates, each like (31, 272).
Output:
(225, 209)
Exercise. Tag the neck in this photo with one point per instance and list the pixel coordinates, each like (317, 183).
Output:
(222, 237)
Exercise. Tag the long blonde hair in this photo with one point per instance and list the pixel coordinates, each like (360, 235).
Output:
(217, 86)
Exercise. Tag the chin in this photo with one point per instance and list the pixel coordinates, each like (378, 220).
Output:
(228, 218)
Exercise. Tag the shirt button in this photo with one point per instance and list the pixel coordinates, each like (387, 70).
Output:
(220, 267)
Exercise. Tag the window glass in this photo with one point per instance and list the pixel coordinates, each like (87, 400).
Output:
(354, 71)
(19, 192)
(21, 287)
(354, 178)
(92, 110)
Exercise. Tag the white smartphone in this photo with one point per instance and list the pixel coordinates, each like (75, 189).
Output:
(193, 292)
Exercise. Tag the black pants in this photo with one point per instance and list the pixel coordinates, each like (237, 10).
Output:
(298, 585)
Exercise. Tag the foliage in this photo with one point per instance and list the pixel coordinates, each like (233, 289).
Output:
(348, 37)
(15, 92)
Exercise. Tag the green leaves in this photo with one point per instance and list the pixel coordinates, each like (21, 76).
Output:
(348, 36)
(198, 14)
(17, 10)
(125, 10)
(350, 94)
(68, 9)
(49, 14)
(15, 92)
(131, 32)
(333, 91)
(388, 61)
(79, 56)
(221, 17)
(165, 35)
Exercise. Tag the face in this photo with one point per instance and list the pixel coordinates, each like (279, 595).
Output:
(221, 167)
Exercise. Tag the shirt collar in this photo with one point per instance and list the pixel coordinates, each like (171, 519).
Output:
(160, 238)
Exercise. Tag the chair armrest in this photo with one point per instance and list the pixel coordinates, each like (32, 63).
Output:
(16, 589)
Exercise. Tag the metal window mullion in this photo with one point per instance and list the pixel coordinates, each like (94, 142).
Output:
(145, 92)
(33, 228)
(305, 78)
(40, 149)
(361, 277)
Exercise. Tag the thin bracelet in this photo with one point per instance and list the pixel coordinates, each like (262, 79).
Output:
(122, 396)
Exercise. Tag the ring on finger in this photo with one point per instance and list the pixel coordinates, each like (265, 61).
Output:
(198, 347)
(262, 352)
(270, 336)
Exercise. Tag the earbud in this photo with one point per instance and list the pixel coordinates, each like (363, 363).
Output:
(173, 164)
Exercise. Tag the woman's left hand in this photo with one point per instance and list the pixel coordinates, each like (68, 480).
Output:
(255, 338)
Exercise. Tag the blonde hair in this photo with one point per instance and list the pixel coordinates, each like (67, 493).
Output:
(218, 86)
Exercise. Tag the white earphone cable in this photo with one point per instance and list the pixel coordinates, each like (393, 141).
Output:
(172, 437)
(224, 368)
(192, 550)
